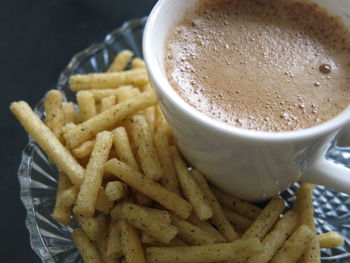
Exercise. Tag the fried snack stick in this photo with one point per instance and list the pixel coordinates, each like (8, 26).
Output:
(124, 152)
(294, 247)
(303, 206)
(84, 150)
(104, 120)
(241, 207)
(99, 94)
(108, 102)
(266, 219)
(201, 206)
(114, 247)
(204, 254)
(48, 142)
(89, 225)
(137, 63)
(85, 204)
(116, 190)
(305, 211)
(146, 221)
(150, 116)
(123, 149)
(168, 179)
(120, 61)
(65, 199)
(330, 240)
(87, 105)
(102, 239)
(219, 219)
(103, 204)
(136, 77)
(146, 151)
(54, 115)
(161, 124)
(87, 249)
(127, 92)
(206, 226)
(148, 187)
(70, 115)
(274, 240)
(192, 234)
(131, 244)
(239, 222)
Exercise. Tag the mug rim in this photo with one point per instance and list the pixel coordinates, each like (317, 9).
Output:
(164, 89)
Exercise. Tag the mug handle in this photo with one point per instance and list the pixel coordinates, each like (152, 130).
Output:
(328, 173)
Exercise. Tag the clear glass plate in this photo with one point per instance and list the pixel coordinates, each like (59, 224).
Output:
(52, 241)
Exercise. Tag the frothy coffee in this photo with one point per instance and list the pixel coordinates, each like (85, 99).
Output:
(272, 65)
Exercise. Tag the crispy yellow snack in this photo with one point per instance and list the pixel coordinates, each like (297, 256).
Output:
(68, 126)
(161, 124)
(124, 152)
(192, 234)
(330, 240)
(120, 61)
(89, 225)
(149, 114)
(136, 77)
(85, 204)
(103, 204)
(206, 226)
(190, 189)
(274, 240)
(241, 207)
(266, 219)
(48, 142)
(146, 151)
(305, 211)
(65, 199)
(108, 102)
(162, 215)
(148, 187)
(84, 150)
(137, 63)
(204, 254)
(127, 92)
(54, 114)
(241, 223)
(312, 253)
(102, 239)
(150, 241)
(169, 179)
(108, 118)
(87, 105)
(70, 115)
(294, 247)
(131, 244)
(145, 220)
(304, 207)
(116, 190)
(99, 94)
(87, 249)
(114, 247)
(122, 147)
(219, 219)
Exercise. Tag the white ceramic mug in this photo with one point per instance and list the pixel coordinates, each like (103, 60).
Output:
(249, 164)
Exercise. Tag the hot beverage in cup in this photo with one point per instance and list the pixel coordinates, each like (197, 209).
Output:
(256, 92)
(262, 65)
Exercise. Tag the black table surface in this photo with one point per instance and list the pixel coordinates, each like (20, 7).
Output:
(37, 40)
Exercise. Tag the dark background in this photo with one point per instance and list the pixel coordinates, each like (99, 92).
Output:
(37, 40)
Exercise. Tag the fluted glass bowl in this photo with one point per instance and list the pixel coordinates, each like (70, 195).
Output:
(38, 178)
